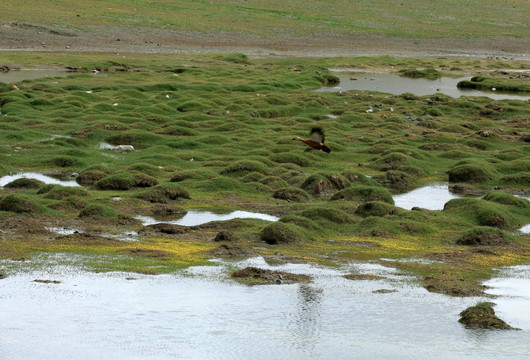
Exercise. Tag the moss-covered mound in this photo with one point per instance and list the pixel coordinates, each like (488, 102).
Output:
(164, 193)
(280, 233)
(291, 194)
(324, 184)
(484, 236)
(364, 193)
(376, 208)
(501, 197)
(18, 203)
(469, 173)
(24, 183)
(483, 316)
(254, 276)
(397, 180)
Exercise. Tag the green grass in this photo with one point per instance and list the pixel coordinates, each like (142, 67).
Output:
(219, 134)
(272, 18)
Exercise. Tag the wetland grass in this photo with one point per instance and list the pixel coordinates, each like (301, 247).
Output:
(215, 131)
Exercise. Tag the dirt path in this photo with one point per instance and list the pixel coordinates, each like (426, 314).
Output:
(28, 37)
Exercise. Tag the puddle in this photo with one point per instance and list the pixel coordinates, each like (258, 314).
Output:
(395, 84)
(32, 74)
(21, 75)
(195, 313)
(31, 175)
(525, 229)
(431, 197)
(127, 236)
(196, 217)
(513, 288)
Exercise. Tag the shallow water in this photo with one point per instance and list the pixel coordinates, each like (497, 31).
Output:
(513, 288)
(197, 217)
(200, 314)
(525, 229)
(395, 84)
(431, 197)
(31, 175)
(21, 75)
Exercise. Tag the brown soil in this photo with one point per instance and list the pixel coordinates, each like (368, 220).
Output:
(25, 37)
(231, 251)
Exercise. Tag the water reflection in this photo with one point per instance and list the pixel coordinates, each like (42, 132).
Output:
(432, 197)
(118, 315)
(197, 217)
(395, 84)
(512, 286)
(31, 175)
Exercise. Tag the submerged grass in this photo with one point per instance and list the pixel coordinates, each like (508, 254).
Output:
(215, 131)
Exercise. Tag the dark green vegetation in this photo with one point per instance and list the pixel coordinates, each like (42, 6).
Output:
(485, 83)
(215, 132)
(483, 316)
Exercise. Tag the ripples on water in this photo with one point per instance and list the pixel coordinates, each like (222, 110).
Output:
(200, 314)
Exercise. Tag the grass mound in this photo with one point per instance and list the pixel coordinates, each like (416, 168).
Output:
(24, 183)
(291, 194)
(324, 184)
(483, 316)
(18, 204)
(281, 233)
(501, 197)
(164, 193)
(364, 193)
(469, 173)
(376, 208)
(484, 236)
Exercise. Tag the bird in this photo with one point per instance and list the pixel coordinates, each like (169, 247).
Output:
(316, 140)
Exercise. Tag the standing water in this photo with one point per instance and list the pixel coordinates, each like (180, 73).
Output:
(201, 313)
(397, 85)
(431, 197)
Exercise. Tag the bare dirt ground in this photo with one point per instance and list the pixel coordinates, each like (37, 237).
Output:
(16, 36)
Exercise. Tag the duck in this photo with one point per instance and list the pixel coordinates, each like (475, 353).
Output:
(316, 140)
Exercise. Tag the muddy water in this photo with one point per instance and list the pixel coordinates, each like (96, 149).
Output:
(31, 175)
(395, 84)
(432, 197)
(17, 76)
(202, 314)
(197, 217)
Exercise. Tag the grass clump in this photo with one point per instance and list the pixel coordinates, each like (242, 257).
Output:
(333, 215)
(24, 183)
(483, 316)
(291, 194)
(58, 192)
(364, 193)
(501, 197)
(18, 204)
(164, 193)
(376, 208)
(281, 233)
(484, 236)
(98, 211)
(469, 173)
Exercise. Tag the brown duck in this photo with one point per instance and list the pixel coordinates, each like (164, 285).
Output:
(316, 140)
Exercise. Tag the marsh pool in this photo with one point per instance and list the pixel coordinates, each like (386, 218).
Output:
(200, 313)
